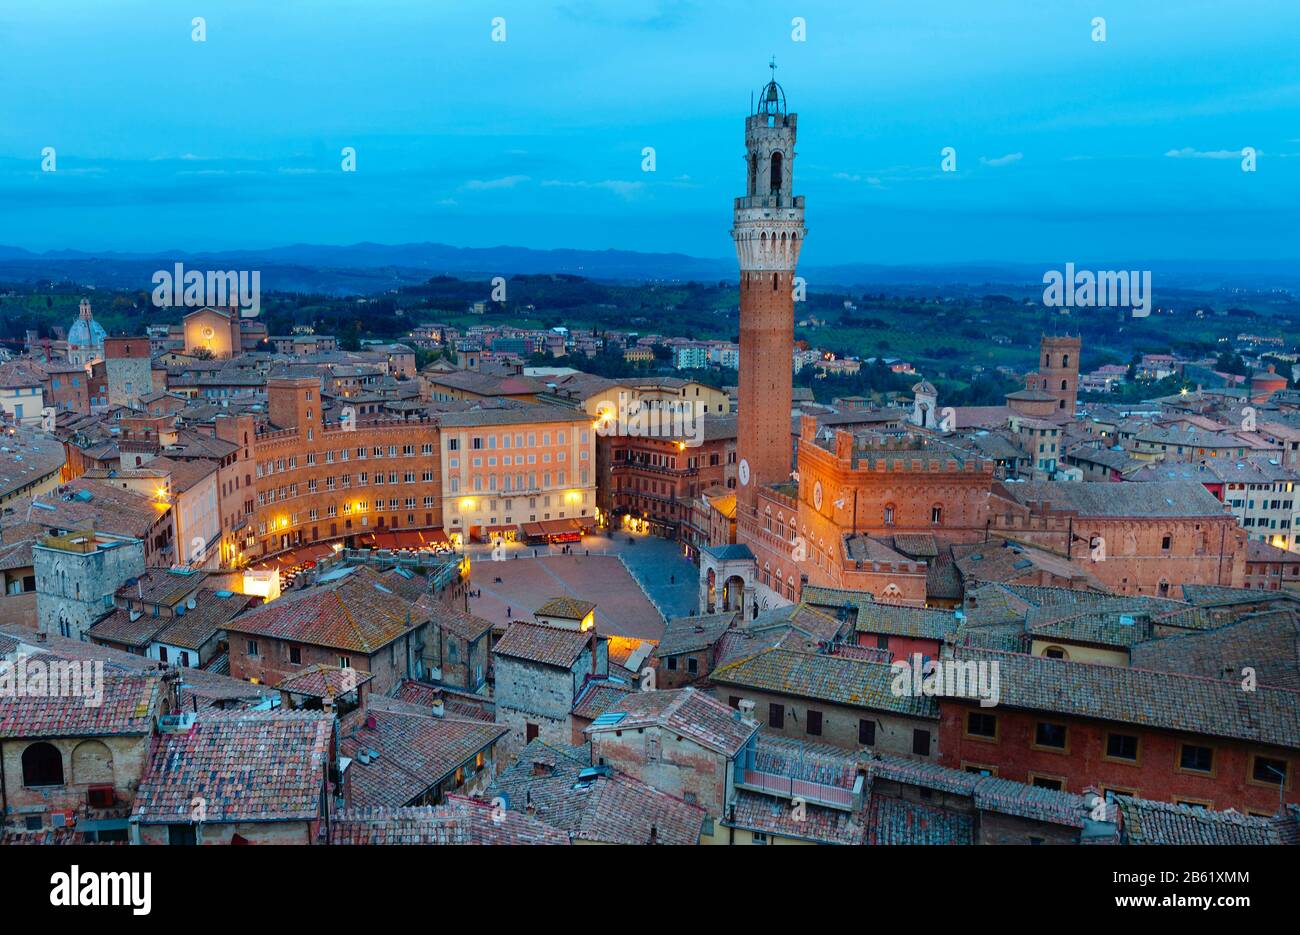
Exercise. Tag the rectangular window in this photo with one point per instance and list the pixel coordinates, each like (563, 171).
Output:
(867, 732)
(814, 725)
(1122, 747)
(921, 742)
(1051, 736)
(1269, 771)
(776, 716)
(1196, 759)
(982, 725)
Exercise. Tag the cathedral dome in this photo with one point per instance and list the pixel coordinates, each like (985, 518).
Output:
(86, 334)
(85, 331)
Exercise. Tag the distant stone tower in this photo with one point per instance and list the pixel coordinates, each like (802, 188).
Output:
(1058, 374)
(925, 402)
(768, 231)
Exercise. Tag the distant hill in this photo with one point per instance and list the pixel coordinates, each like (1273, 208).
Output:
(367, 268)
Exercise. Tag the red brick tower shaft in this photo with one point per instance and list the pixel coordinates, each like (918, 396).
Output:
(768, 232)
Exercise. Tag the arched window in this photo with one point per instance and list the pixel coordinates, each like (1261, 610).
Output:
(889, 514)
(1065, 360)
(92, 762)
(42, 765)
(776, 173)
(1065, 385)
(1056, 652)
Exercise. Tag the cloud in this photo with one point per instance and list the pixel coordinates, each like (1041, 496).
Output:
(617, 186)
(1188, 153)
(508, 181)
(854, 177)
(1002, 160)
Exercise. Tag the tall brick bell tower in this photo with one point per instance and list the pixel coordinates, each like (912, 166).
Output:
(768, 231)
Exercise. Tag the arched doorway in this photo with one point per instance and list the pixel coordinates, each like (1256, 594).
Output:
(733, 593)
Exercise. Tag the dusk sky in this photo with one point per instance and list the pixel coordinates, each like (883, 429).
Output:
(1067, 149)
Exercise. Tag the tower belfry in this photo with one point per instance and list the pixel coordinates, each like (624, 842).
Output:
(768, 230)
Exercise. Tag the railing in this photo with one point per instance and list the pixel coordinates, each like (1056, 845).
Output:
(789, 787)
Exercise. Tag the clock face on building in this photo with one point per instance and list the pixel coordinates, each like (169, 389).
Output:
(817, 495)
(742, 472)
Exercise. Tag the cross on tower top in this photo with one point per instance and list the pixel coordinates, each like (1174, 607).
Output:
(772, 65)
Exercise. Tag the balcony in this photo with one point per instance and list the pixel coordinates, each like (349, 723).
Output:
(791, 770)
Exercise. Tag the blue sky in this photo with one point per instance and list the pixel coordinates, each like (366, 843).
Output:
(1067, 149)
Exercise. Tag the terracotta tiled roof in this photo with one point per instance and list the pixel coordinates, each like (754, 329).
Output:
(1175, 499)
(691, 634)
(1007, 561)
(324, 681)
(818, 625)
(416, 751)
(211, 612)
(599, 696)
(126, 628)
(570, 608)
(110, 509)
(905, 621)
(357, 613)
(245, 766)
(772, 816)
(457, 704)
(835, 679)
(687, 712)
(897, 821)
(458, 820)
(456, 621)
(1268, 642)
(535, 642)
(1209, 595)
(1148, 822)
(208, 686)
(1126, 695)
(127, 709)
(557, 785)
